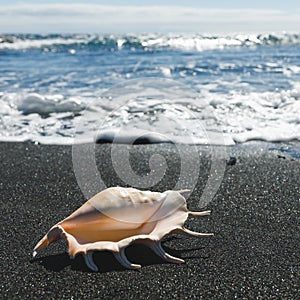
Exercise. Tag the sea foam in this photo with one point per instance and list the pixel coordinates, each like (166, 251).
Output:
(212, 118)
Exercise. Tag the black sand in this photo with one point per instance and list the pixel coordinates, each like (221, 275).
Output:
(255, 217)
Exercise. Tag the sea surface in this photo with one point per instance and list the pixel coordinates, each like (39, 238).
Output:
(193, 88)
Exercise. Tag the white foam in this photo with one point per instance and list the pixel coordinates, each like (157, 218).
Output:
(269, 116)
(210, 118)
(44, 105)
(22, 44)
(202, 42)
(186, 41)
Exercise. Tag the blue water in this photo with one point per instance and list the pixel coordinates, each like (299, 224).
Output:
(241, 77)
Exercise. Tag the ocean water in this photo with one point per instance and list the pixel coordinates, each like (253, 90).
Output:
(191, 88)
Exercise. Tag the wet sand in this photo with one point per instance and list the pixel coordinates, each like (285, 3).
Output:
(255, 217)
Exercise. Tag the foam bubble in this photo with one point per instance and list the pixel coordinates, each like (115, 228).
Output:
(45, 105)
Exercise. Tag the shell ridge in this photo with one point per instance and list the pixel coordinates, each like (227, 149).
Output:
(130, 200)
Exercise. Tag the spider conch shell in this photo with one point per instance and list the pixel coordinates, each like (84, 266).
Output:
(117, 217)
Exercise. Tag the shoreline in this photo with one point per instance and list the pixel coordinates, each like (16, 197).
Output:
(255, 215)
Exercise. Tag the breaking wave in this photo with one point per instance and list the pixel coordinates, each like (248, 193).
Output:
(185, 42)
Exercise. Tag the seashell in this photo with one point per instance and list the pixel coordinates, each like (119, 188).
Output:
(117, 217)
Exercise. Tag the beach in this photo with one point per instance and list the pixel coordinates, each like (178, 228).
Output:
(203, 99)
(254, 253)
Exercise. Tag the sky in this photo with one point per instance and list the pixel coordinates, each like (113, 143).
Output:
(136, 16)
